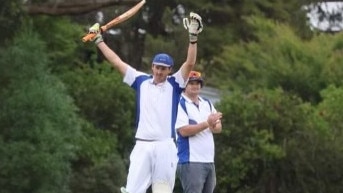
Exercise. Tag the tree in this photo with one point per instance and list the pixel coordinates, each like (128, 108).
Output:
(279, 58)
(273, 142)
(11, 18)
(105, 102)
(65, 7)
(39, 122)
(98, 166)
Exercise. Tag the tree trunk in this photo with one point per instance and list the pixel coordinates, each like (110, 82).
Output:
(66, 7)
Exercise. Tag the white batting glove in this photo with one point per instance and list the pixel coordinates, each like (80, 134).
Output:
(194, 26)
(95, 29)
(123, 190)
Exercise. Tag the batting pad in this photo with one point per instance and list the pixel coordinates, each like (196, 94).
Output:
(161, 188)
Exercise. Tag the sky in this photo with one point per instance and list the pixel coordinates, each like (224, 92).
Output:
(325, 24)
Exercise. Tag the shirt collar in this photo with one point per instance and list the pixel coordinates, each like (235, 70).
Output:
(151, 81)
(189, 100)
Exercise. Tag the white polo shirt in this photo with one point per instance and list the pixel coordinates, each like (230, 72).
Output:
(156, 104)
(200, 147)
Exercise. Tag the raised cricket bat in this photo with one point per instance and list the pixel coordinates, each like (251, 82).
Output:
(121, 18)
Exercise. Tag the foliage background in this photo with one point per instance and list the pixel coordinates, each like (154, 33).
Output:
(66, 118)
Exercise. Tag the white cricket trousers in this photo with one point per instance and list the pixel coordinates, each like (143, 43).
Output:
(152, 162)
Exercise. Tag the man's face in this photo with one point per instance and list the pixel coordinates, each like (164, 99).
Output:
(193, 87)
(160, 73)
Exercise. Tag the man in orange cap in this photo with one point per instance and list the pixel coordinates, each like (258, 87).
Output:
(196, 122)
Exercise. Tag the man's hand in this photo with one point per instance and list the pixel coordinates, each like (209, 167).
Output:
(95, 29)
(194, 26)
(213, 119)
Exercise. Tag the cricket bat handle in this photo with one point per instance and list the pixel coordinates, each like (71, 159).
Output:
(89, 36)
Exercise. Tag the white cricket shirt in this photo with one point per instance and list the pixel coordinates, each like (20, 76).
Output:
(200, 147)
(156, 104)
